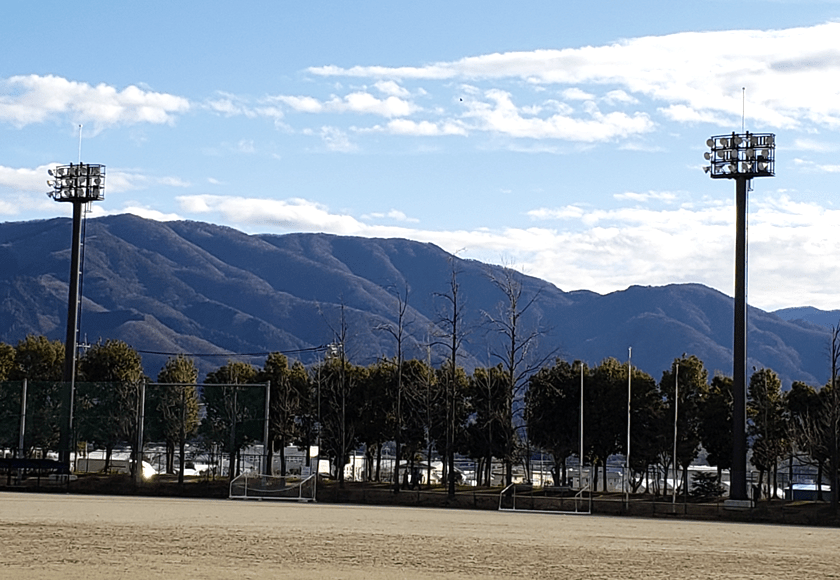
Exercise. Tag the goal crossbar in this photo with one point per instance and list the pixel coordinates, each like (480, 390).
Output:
(269, 487)
(508, 499)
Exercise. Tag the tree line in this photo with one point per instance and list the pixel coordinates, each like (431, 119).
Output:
(493, 414)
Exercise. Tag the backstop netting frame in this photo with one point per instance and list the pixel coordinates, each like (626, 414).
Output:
(273, 487)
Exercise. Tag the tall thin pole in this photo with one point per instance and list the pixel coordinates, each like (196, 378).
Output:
(267, 443)
(69, 376)
(21, 435)
(738, 480)
(627, 455)
(676, 414)
(580, 467)
(141, 418)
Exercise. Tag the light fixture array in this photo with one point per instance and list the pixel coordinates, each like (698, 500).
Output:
(82, 182)
(744, 155)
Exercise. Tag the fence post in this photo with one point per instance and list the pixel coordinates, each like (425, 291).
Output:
(21, 442)
(138, 466)
(266, 449)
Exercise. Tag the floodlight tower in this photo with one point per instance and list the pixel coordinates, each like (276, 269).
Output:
(740, 156)
(76, 184)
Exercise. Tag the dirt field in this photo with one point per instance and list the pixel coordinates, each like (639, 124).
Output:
(96, 537)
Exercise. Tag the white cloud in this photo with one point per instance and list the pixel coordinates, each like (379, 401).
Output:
(791, 243)
(392, 89)
(287, 215)
(805, 144)
(24, 189)
(121, 180)
(619, 96)
(500, 115)
(357, 102)
(697, 76)
(33, 181)
(230, 105)
(567, 212)
(394, 214)
(812, 167)
(25, 178)
(25, 100)
(134, 208)
(421, 128)
(336, 140)
(174, 182)
(576, 94)
(646, 196)
(246, 146)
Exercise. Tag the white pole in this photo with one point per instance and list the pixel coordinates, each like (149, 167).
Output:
(676, 414)
(21, 442)
(580, 465)
(138, 466)
(627, 455)
(266, 449)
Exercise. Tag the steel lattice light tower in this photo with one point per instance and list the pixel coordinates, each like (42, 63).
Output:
(740, 156)
(76, 184)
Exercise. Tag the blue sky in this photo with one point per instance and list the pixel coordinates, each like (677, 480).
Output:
(563, 138)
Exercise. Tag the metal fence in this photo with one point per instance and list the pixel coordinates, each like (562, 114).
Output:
(29, 429)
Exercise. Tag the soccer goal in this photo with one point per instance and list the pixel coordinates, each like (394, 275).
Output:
(260, 487)
(519, 497)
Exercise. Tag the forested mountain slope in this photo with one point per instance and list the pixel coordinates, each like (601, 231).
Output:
(197, 288)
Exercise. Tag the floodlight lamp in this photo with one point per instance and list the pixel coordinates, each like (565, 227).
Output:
(707, 168)
(738, 140)
(50, 172)
(710, 142)
(707, 156)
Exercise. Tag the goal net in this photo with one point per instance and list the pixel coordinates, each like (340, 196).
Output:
(260, 487)
(557, 500)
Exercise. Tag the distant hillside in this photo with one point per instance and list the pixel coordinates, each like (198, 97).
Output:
(809, 314)
(202, 289)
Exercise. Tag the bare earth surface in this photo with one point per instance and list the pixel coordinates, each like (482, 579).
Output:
(96, 537)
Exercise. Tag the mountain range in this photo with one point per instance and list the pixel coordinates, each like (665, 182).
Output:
(219, 294)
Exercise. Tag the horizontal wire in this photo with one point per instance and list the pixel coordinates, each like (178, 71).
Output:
(295, 351)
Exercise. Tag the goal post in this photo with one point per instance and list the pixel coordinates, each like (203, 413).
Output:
(555, 500)
(272, 487)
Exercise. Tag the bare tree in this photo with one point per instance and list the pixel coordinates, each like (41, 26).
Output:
(341, 414)
(397, 332)
(452, 321)
(516, 355)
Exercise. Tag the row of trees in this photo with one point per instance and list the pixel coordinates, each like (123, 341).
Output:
(423, 410)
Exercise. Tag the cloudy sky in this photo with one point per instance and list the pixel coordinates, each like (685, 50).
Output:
(564, 138)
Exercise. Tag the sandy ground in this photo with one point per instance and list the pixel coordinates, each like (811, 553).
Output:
(97, 537)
